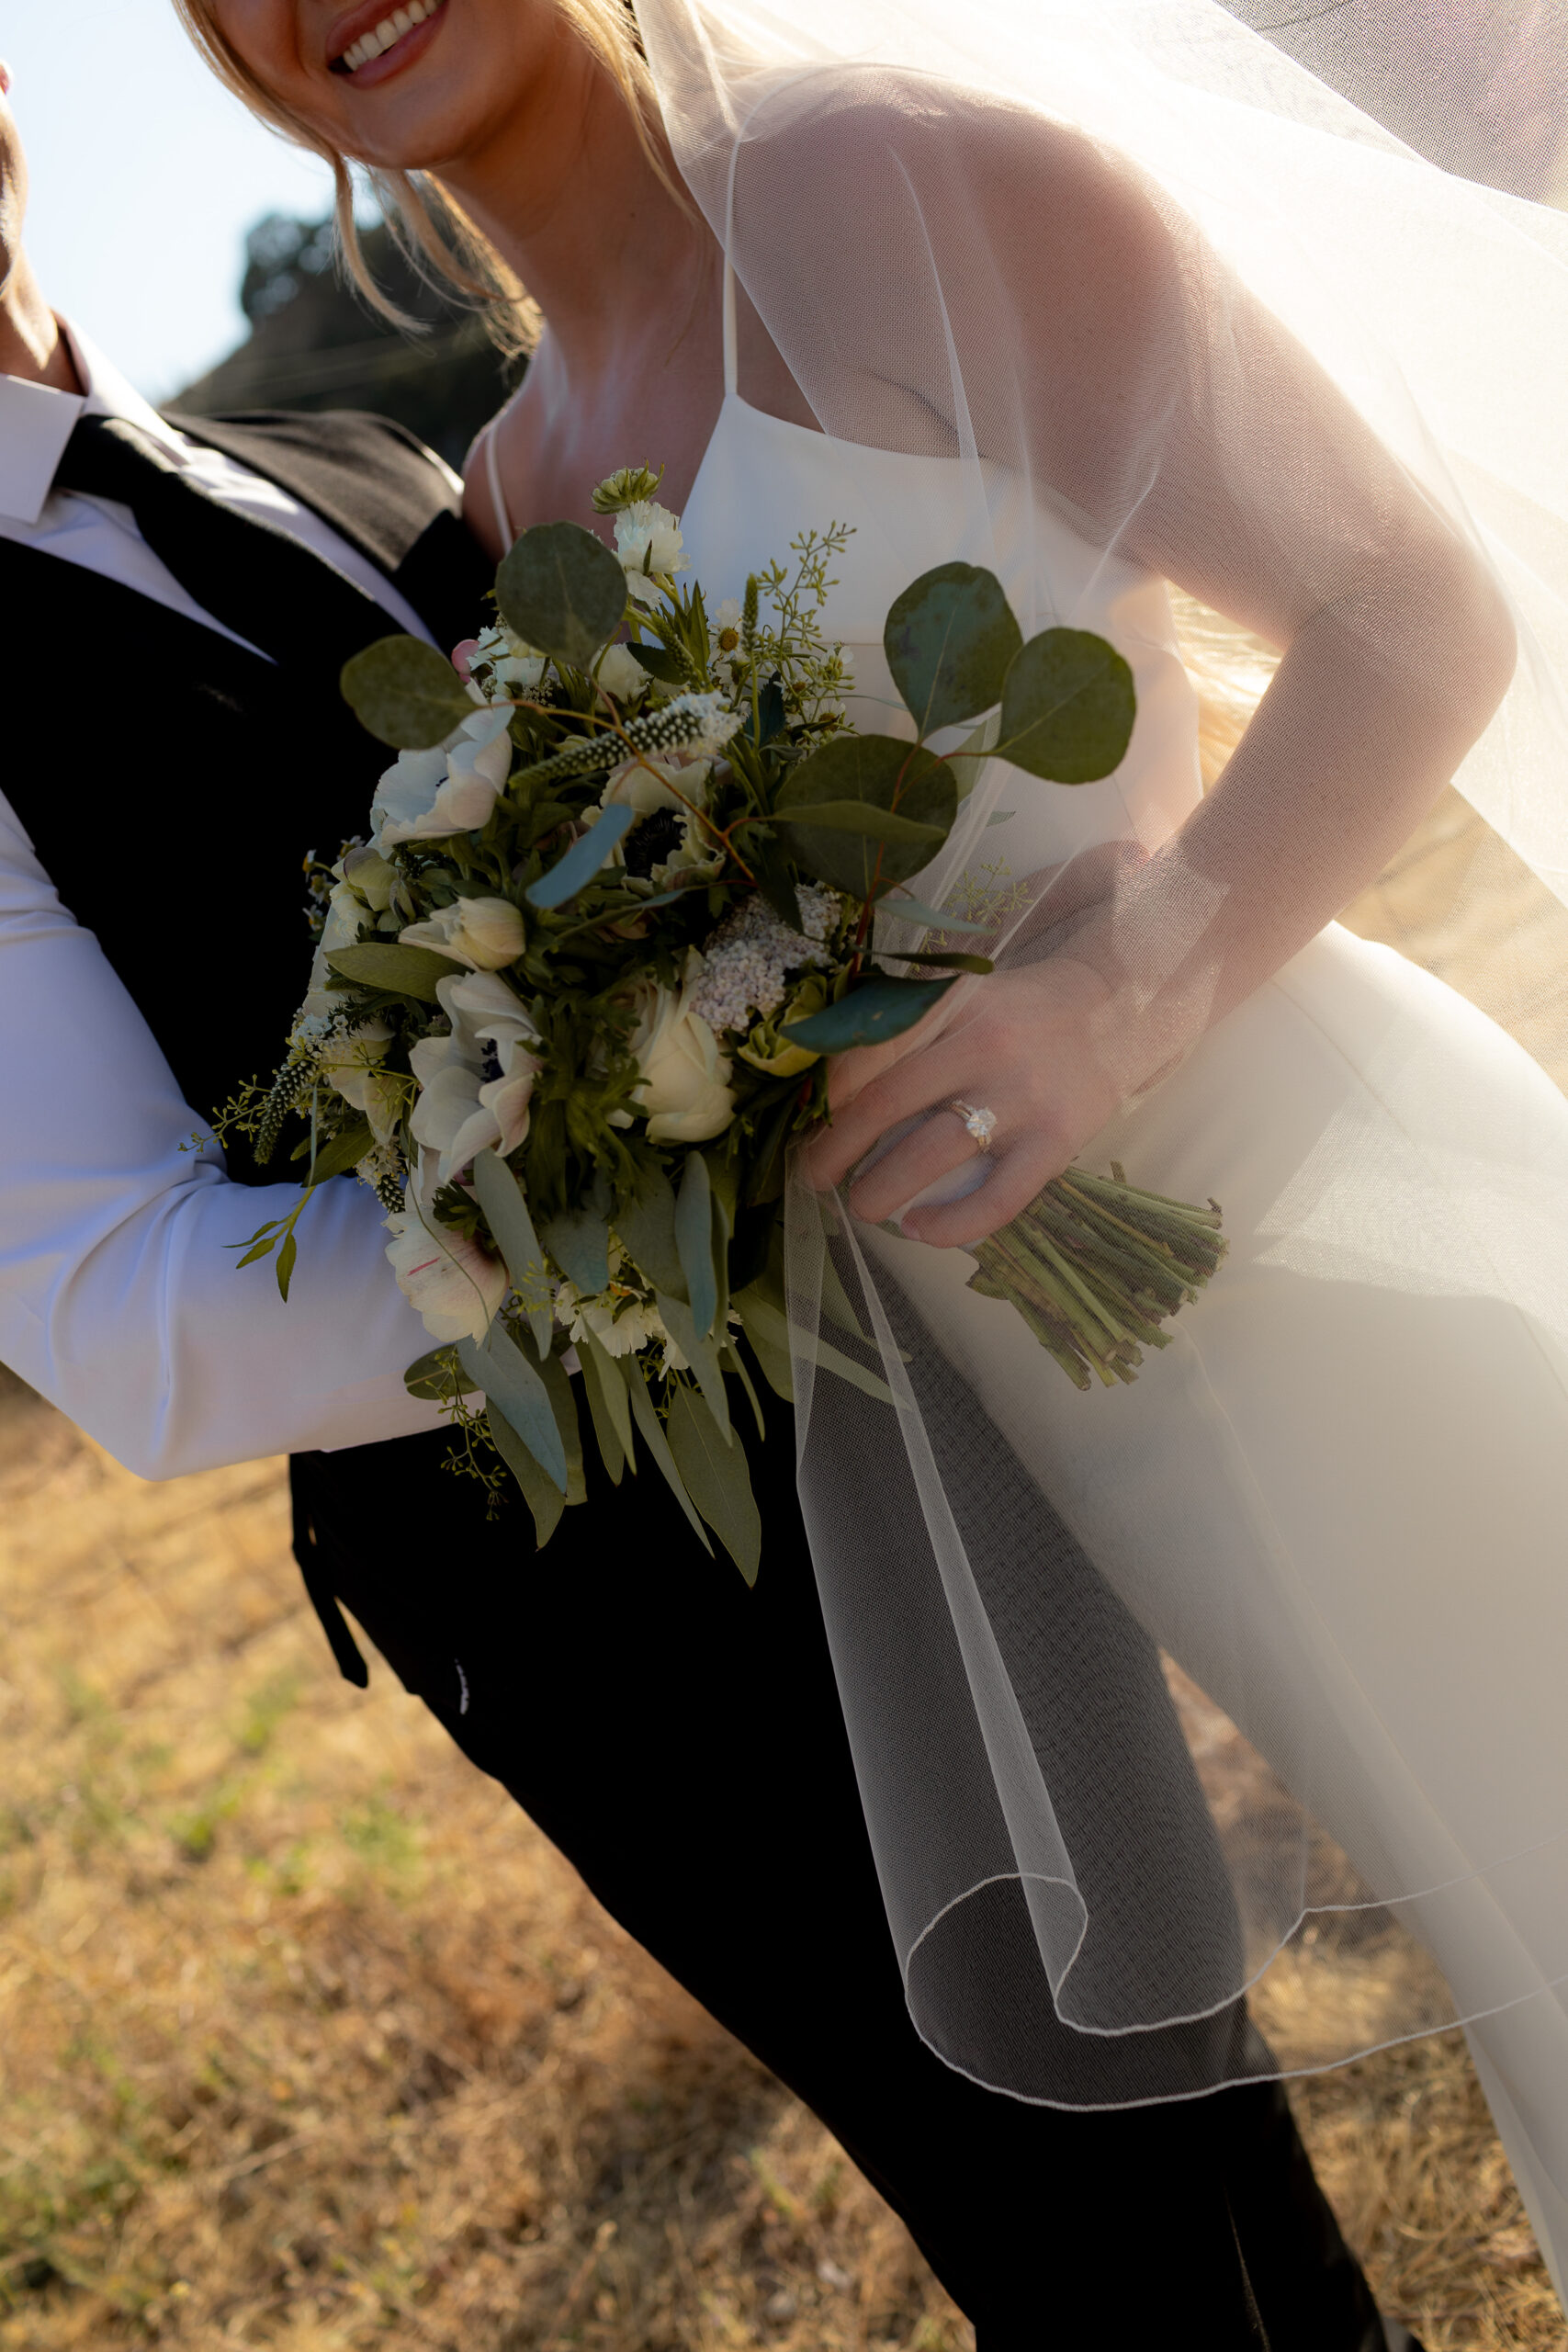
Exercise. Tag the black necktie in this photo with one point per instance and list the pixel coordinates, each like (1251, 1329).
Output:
(248, 574)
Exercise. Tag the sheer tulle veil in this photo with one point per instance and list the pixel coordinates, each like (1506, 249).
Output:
(900, 186)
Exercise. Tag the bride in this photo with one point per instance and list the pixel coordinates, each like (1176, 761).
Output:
(1105, 298)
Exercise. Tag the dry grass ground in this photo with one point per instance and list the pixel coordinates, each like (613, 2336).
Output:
(309, 2041)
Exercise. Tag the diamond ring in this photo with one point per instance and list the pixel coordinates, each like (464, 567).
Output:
(981, 1124)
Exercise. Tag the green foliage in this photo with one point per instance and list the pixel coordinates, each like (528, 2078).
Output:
(505, 1209)
(881, 779)
(718, 1479)
(583, 860)
(883, 1008)
(1067, 708)
(949, 639)
(560, 588)
(498, 1365)
(399, 971)
(405, 694)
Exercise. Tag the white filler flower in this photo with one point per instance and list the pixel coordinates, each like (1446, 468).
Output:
(647, 540)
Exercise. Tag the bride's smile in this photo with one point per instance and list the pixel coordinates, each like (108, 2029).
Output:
(386, 45)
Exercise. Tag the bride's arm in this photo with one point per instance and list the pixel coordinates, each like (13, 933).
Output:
(1175, 413)
(119, 1299)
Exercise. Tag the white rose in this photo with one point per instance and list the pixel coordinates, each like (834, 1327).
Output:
(484, 933)
(451, 789)
(620, 673)
(477, 1083)
(647, 540)
(455, 1284)
(684, 1089)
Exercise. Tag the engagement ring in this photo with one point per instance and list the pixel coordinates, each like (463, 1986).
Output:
(982, 1124)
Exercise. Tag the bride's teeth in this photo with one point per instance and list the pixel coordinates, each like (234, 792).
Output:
(390, 28)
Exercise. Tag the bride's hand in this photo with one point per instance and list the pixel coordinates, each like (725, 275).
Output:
(1026, 1044)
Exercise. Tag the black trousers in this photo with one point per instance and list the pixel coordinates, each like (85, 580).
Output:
(680, 1739)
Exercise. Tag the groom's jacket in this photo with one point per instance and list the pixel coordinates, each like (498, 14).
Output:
(173, 781)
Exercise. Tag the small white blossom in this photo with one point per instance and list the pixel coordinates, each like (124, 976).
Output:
(748, 956)
(620, 673)
(515, 667)
(648, 541)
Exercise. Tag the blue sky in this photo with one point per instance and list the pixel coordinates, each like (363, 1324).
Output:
(146, 176)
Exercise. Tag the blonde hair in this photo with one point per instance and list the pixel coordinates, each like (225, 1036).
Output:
(428, 222)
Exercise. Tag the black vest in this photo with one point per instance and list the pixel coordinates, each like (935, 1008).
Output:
(174, 817)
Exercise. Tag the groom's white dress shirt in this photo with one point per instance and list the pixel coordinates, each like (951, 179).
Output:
(119, 1299)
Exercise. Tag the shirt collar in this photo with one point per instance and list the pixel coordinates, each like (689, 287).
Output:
(35, 423)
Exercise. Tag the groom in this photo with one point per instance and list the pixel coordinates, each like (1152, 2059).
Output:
(179, 595)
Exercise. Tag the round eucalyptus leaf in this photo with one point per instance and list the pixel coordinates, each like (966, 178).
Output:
(949, 639)
(405, 694)
(883, 1007)
(902, 780)
(559, 588)
(1067, 708)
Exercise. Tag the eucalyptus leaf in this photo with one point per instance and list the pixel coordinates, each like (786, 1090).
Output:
(718, 1481)
(693, 1241)
(874, 824)
(876, 770)
(646, 1227)
(579, 1241)
(405, 694)
(401, 972)
(868, 1016)
(506, 1212)
(543, 1497)
(658, 1444)
(612, 1453)
(604, 1372)
(730, 1358)
(1067, 708)
(498, 1365)
(762, 1336)
(701, 1354)
(344, 1151)
(949, 639)
(968, 761)
(761, 1317)
(561, 589)
(436, 1377)
(590, 853)
(954, 958)
(563, 1404)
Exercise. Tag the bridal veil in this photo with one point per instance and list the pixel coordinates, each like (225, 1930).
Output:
(1358, 284)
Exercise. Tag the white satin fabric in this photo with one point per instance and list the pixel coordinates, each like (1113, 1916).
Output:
(1339, 1500)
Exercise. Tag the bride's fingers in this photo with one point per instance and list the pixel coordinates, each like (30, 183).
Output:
(910, 1086)
(1018, 1176)
(937, 1147)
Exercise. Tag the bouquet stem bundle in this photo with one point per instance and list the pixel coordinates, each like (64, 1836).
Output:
(1094, 1265)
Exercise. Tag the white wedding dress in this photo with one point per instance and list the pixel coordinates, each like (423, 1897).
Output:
(1339, 1500)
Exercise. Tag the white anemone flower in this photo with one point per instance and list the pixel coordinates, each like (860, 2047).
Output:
(648, 541)
(455, 1285)
(484, 933)
(451, 789)
(476, 1084)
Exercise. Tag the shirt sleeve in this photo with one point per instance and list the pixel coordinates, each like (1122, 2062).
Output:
(120, 1298)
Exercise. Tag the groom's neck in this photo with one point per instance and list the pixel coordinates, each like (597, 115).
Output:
(32, 345)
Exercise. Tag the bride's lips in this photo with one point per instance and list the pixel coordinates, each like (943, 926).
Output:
(403, 32)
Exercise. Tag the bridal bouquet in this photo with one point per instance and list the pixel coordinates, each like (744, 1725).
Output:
(574, 996)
